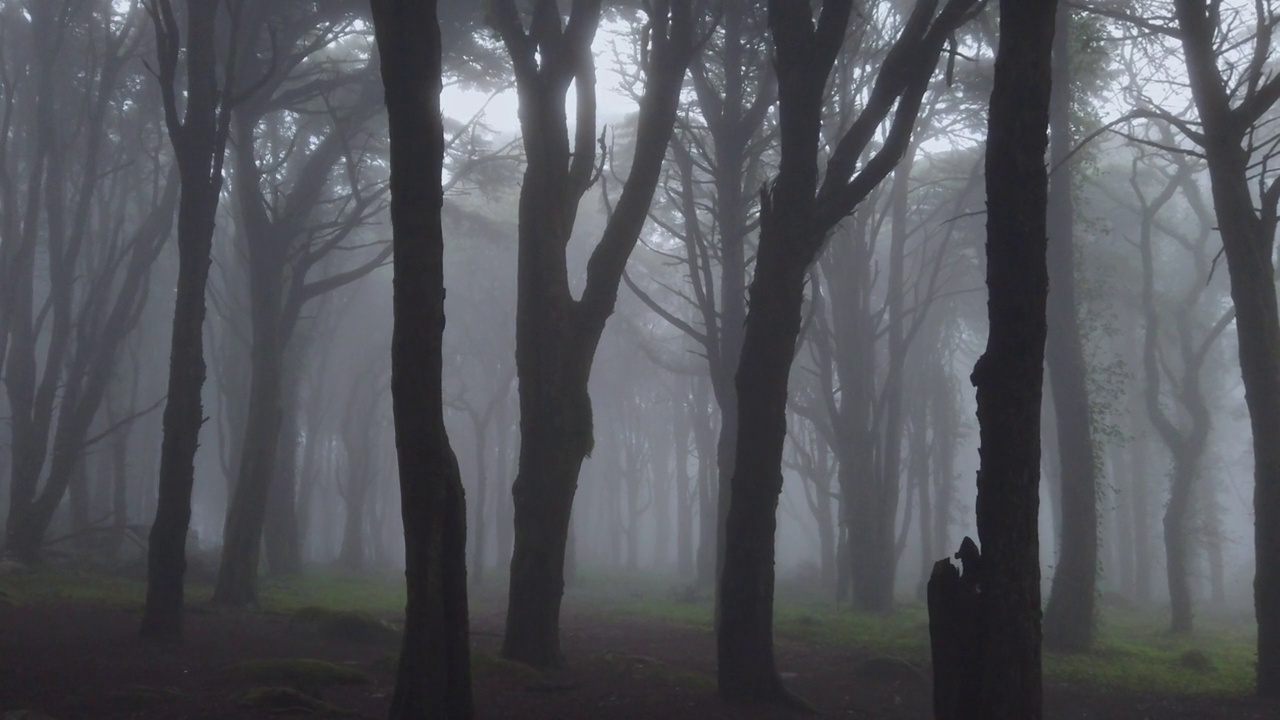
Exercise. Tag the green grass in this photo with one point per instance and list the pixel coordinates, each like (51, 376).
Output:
(44, 585)
(1134, 652)
(378, 594)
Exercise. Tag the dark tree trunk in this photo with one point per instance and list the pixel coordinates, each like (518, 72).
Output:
(557, 335)
(1069, 614)
(795, 218)
(1009, 375)
(199, 142)
(1248, 239)
(237, 582)
(434, 676)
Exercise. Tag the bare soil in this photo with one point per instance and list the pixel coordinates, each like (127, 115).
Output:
(65, 660)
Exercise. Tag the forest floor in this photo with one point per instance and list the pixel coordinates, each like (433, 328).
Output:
(69, 649)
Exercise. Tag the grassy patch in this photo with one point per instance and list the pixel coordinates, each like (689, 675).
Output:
(1135, 653)
(43, 585)
(379, 595)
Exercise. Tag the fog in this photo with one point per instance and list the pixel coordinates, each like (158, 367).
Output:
(296, 471)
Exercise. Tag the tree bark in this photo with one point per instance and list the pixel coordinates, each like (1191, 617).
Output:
(433, 680)
(556, 334)
(1069, 614)
(199, 144)
(1248, 239)
(1009, 375)
(796, 216)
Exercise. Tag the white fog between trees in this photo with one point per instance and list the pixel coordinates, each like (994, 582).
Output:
(607, 255)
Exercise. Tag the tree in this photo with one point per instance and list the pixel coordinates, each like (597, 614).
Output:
(733, 92)
(1009, 375)
(1231, 108)
(434, 676)
(199, 139)
(1184, 433)
(82, 184)
(282, 189)
(1068, 616)
(796, 215)
(556, 334)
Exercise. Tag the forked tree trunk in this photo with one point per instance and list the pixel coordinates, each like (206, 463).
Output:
(434, 676)
(556, 334)
(795, 219)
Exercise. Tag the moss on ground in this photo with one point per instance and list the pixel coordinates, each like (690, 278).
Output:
(287, 699)
(305, 675)
(347, 626)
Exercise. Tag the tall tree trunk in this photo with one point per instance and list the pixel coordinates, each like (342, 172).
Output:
(1069, 614)
(1177, 544)
(237, 582)
(282, 533)
(352, 555)
(1009, 374)
(1248, 239)
(434, 676)
(556, 334)
(680, 436)
(479, 538)
(199, 143)
(708, 523)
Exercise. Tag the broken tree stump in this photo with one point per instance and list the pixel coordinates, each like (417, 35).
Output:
(955, 634)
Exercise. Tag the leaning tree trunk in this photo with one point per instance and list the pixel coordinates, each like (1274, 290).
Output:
(199, 142)
(434, 676)
(1069, 614)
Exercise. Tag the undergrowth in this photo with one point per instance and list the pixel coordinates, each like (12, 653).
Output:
(1134, 651)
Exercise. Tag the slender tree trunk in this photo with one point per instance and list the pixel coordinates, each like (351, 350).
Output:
(1069, 614)
(479, 537)
(199, 143)
(434, 676)
(282, 533)
(680, 436)
(1177, 545)
(708, 513)
(352, 555)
